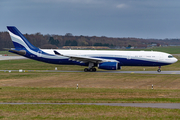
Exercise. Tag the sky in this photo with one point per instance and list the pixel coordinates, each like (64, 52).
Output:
(157, 19)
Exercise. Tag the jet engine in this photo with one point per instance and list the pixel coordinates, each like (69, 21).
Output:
(109, 65)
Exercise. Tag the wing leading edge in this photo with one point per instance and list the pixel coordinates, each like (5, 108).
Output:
(85, 59)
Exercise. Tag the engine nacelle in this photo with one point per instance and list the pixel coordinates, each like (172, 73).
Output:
(108, 66)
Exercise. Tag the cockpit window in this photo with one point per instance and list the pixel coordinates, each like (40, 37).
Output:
(170, 56)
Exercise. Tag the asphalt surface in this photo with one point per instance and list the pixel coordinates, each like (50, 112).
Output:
(12, 57)
(143, 72)
(132, 72)
(129, 72)
(144, 105)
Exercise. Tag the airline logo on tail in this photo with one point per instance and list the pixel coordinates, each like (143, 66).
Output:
(23, 46)
(19, 41)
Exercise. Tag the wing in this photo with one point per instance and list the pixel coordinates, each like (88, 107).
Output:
(85, 59)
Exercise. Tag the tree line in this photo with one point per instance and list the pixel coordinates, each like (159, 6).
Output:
(58, 41)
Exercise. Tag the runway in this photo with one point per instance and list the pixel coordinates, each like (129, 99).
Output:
(12, 57)
(144, 105)
(143, 72)
(128, 72)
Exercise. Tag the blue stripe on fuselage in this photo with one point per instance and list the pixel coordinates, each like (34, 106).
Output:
(122, 61)
(66, 61)
(135, 62)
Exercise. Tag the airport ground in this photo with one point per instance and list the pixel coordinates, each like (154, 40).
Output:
(38, 87)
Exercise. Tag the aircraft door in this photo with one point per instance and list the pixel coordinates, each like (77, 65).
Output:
(160, 57)
(129, 56)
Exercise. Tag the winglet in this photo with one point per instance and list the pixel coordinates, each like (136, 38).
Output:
(57, 53)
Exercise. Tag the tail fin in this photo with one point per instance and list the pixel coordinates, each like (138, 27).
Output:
(19, 41)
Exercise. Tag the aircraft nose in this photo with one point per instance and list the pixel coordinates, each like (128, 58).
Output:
(175, 60)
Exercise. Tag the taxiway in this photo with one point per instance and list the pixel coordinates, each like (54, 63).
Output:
(128, 72)
(12, 57)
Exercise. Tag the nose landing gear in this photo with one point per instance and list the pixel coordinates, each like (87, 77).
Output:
(159, 69)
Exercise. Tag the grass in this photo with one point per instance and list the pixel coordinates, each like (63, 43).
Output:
(168, 49)
(4, 52)
(84, 112)
(87, 95)
(28, 64)
(93, 88)
(90, 80)
(133, 87)
(7, 53)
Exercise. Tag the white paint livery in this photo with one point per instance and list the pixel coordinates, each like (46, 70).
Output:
(103, 59)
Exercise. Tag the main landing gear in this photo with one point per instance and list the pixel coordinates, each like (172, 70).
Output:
(91, 68)
(159, 69)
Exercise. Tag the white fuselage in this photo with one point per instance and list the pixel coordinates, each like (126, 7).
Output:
(148, 56)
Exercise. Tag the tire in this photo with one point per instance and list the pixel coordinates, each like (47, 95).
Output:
(94, 69)
(86, 70)
(91, 69)
(159, 70)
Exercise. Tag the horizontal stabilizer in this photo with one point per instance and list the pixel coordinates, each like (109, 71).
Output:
(8, 49)
(21, 52)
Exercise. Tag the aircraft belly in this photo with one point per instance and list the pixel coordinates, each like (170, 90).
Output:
(122, 61)
(135, 62)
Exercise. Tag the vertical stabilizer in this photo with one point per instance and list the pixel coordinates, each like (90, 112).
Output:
(19, 41)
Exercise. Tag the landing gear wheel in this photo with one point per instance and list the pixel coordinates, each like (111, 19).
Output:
(159, 69)
(94, 69)
(86, 70)
(91, 69)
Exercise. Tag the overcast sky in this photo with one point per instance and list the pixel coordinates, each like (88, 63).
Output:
(111, 18)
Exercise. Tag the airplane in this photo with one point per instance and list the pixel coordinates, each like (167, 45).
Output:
(101, 59)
